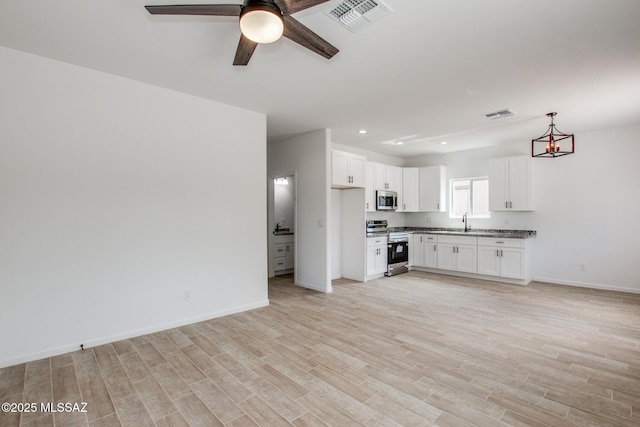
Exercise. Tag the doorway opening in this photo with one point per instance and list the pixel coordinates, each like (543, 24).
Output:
(282, 226)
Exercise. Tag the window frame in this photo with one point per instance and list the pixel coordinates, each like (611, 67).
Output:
(470, 215)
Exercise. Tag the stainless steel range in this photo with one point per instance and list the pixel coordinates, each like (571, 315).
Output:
(397, 246)
(397, 253)
(377, 227)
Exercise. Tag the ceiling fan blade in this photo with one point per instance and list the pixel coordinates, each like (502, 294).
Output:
(289, 7)
(302, 35)
(197, 9)
(244, 51)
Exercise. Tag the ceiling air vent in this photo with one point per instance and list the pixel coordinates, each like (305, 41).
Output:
(500, 114)
(357, 14)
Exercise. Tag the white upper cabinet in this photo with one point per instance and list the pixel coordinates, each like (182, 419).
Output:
(388, 177)
(347, 169)
(432, 189)
(410, 189)
(385, 178)
(510, 184)
(370, 187)
(397, 184)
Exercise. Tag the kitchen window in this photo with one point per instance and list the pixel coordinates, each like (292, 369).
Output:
(471, 196)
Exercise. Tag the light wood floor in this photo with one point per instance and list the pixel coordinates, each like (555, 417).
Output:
(413, 350)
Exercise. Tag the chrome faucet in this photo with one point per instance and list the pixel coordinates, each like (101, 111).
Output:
(466, 222)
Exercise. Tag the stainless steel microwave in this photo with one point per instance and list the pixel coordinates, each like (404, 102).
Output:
(386, 200)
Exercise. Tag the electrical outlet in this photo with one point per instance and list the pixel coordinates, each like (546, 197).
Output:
(583, 267)
(187, 295)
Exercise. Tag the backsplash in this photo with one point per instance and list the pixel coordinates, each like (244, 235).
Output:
(498, 220)
(394, 219)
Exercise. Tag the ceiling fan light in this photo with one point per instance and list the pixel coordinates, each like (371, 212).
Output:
(261, 25)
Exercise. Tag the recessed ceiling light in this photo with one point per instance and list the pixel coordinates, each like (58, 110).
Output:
(362, 131)
(399, 142)
(444, 143)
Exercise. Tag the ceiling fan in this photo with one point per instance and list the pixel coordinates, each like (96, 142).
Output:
(261, 21)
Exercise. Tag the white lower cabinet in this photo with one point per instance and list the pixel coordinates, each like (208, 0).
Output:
(458, 253)
(502, 257)
(423, 251)
(376, 256)
(509, 259)
(288, 257)
(283, 254)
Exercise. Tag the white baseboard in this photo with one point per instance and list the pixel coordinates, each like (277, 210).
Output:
(314, 287)
(523, 282)
(128, 334)
(586, 285)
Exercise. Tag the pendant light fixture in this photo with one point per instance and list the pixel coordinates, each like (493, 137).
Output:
(548, 145)
(261, 21)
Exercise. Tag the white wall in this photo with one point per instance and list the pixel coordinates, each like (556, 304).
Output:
(336, 234)
(115, 198)
(284, 204)
(370, 155)
(587, 208)
(309, 157)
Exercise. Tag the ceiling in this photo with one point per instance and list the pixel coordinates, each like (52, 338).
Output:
(428, 72)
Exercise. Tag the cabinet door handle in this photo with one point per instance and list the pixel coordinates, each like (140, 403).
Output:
(501, 253)
(404, 206)
(438, 206)
(497, 252)
(367, 205)
(511, 205)
(420, 239)
(434, 248)
(506, 205)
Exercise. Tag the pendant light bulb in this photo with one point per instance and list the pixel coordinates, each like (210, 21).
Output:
(262, 23)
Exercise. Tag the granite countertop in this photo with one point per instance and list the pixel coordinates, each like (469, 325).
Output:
(505, 234)
(283, 232)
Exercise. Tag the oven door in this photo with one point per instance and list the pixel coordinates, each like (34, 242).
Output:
(397, 252)
(397, 257)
